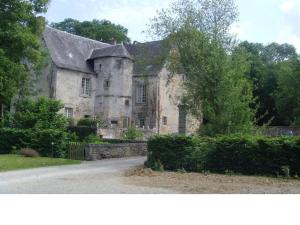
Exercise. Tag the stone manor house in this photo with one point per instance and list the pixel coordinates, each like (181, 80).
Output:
(124, 85)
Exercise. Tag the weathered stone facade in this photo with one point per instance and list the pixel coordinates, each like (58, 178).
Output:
(122, 85)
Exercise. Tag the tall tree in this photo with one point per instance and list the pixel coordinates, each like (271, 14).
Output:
(21, 27)
(217, 89)
(287, 95)
(264, 72)
(212, 17)
(101, 30)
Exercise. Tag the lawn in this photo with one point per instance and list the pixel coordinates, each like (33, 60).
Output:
(16, 162)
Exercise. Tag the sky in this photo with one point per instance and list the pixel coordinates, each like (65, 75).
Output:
(263, 21)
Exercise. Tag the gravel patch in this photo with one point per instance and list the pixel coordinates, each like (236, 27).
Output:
(197, 183)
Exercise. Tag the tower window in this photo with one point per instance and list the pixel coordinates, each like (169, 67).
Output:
(118, 64)
(86, 87)
(141, 94)
(165, 120)
(106, 83)
(69, 112)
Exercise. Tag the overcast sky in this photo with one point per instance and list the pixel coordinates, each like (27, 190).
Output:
(260, 20)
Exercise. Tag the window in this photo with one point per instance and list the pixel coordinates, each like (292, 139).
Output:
(69, 112)
(86, 87)
(125, 122)
(114, 122)
(165, 120)
(141, 94)
(118, 64)
(142, 122)
(127, 103)
(106, 84)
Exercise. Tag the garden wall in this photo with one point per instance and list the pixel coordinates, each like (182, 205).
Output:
(95, 152)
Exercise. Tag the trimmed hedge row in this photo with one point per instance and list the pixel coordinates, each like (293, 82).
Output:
(244, 155)
(40, 140)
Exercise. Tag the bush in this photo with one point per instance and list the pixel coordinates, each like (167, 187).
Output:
(87, 122)
(93, 139)
(83, 132)
(11, 139)
(27, 152)
(41, 140)
(240, 154)
(132, 134)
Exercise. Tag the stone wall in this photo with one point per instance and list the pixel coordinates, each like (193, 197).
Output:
(97, 152)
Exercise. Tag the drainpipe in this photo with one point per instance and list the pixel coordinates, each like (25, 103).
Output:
(158, 107)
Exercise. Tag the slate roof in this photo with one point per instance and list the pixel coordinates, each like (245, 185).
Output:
(70, 51)
(149, 57)
(111, 51)
(73, 52)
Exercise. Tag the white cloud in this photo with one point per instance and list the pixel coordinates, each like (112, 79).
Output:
(291, 14)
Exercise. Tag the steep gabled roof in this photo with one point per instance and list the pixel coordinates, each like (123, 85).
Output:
(74, 52)
(70, 51)
(149, 57)
(111, 51)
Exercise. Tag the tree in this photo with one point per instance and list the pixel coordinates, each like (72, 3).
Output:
(101, 30)
(212, 17)
(287, 95)
(42, 113)
(264, 72)
(21, 52)
(216, 86)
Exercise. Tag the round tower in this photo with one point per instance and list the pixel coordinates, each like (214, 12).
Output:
(113, 101)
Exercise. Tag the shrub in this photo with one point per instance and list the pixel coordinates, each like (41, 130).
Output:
(27, 152)
(87, 122)
(240, 154)
(41, 140)
(93, 139)
(132, 134)
(83, 132)
(11, 139)
(42, 113)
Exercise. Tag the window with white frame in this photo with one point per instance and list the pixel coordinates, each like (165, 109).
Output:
(86, 87)
(69, 112)
(141, 94)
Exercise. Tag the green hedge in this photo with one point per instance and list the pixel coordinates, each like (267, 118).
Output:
(244, 155)
(40, 140)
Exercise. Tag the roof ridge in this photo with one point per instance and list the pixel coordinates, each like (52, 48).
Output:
(77, 36)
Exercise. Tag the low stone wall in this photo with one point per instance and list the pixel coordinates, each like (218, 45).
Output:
(95, 152)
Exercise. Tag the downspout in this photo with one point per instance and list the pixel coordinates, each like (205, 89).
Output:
(158, 106)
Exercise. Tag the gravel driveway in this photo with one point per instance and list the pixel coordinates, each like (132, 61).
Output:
(99, 177)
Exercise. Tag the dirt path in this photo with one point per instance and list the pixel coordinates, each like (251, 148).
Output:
(195, 183)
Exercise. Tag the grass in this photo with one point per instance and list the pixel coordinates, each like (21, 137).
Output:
(17, 162)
